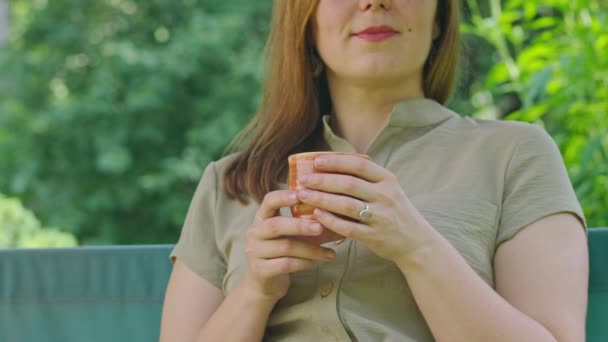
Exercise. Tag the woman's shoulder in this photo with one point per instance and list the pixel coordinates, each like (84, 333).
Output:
(214, 171)
(224, 162)
(505, 131)
(220, 168)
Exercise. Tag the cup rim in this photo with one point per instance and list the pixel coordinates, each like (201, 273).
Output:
(315, 154)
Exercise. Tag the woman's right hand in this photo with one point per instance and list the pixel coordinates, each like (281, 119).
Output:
(273, 249)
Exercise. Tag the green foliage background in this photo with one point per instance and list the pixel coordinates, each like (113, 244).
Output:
(110, 110)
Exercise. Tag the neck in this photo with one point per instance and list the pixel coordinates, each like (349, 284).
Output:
(362, 111)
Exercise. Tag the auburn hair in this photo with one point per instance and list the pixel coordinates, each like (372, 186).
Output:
(293, 100)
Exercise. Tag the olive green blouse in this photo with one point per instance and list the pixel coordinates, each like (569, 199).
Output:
(477, 182)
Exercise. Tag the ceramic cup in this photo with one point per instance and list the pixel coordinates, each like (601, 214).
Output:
(302, 164)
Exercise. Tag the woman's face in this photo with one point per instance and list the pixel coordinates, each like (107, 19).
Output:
(381, 40)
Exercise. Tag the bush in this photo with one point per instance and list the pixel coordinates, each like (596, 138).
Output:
(20, 228)
(110, 110)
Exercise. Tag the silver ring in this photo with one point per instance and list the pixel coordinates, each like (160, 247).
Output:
(365, 214)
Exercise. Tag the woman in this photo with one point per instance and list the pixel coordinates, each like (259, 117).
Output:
(475, 233)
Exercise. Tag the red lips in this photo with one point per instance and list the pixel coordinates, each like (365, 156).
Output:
(377, 33)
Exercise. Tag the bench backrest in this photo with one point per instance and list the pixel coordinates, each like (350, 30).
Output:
(597, 312)
(115, 293)
(91, 294)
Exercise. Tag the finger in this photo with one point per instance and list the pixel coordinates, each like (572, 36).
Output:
(339, 204)
(339, 184)
(274, 267)
(278, 226)
(275, 200)
(328, 235)
(352, 165)
(279, 248)
(341, 226)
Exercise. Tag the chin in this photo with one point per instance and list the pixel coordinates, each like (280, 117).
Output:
(377, 80)
(382, 72)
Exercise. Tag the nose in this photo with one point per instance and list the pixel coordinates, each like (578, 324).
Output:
(374, 5)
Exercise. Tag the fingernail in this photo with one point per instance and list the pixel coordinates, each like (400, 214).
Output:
(305, 193)
(320, 161)
(330, 254)
(293, 196)
(315, 228)
(304, 179)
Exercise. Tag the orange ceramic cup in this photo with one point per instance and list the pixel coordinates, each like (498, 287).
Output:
(302, 164)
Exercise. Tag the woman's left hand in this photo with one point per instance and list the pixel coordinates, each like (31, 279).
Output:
(396, 228)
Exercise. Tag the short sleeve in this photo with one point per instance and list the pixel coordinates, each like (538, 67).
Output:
(197, 246)
(536, 184)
